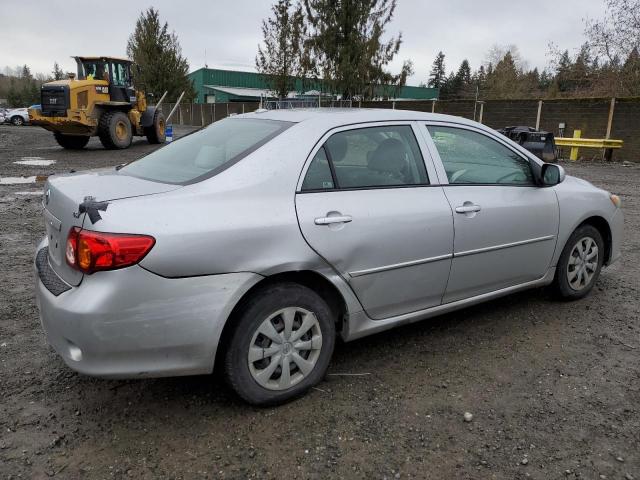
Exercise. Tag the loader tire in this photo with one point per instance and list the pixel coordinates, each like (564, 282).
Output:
(155, 133)
(71, 142)
(114, 130)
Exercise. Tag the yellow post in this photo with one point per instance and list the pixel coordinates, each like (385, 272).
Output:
(574, 150)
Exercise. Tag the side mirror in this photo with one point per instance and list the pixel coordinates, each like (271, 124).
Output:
(552, 174)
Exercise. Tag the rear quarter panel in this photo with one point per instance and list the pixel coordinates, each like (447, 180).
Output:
(241, 220)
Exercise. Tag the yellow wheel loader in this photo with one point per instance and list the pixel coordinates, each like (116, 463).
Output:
(101, 101)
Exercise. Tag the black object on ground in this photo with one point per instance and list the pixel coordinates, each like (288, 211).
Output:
(541, 144)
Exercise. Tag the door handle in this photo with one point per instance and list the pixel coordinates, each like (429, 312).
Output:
(330, 220)
(468, 207)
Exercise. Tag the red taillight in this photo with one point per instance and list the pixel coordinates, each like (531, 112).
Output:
(90, 251)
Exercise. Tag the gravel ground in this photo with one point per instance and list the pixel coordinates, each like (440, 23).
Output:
(554, 388)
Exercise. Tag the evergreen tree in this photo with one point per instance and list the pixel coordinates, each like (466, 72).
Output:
(464, 73)
(157, 54)
(631, 73)
(26, 73)
(448, 87)
(563, 72)
(479, 78)
(346, 45)
(57, 72)
(14, 96)
(545, 80)
(460, 83)
(30, 93)
(282, 60)
(438, 75)
(502, 82)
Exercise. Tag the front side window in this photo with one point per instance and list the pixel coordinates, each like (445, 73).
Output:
(206, 152)
(472, 158)
(369, 157)
(94, 70)
(120, 75)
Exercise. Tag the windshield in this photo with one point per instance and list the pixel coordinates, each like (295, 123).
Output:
(93, 70)
(206, 152)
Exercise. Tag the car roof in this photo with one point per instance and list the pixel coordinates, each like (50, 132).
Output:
(331, 117)
(106, 57)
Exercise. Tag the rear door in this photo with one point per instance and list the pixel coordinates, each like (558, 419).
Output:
(505, 225)
(366, 205)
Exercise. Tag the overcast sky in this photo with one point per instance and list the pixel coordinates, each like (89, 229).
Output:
(38, 32)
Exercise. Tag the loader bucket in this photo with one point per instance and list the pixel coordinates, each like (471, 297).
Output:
(541, 144)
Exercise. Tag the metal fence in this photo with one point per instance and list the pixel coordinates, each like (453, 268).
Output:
(594, 117)
(203, 114)
(306, 103)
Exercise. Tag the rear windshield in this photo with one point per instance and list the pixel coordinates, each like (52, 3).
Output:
(206, 152)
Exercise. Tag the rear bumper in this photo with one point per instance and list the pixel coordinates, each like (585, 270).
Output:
(132, 323)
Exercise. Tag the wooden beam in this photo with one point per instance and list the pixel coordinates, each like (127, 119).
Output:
(539, 115)
(612, 107)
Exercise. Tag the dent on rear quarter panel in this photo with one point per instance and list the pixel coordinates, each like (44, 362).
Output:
(242, 220)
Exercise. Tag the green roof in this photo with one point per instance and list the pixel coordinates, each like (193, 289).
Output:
(206, 79)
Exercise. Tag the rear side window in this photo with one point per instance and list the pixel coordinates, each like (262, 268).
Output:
(367, 157)
(319, 173)
(206, 152)
(472, 158)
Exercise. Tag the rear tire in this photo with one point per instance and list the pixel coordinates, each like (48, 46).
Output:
(71, 142)
(156, 133)
(17, 120)
(293, 355)
(114, 130)
(580, 263)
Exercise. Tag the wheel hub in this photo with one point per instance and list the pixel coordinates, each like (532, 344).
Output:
(285, 348)
(583, 263)
(121, 130)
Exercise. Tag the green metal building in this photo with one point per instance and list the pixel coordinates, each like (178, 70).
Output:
(215, 86)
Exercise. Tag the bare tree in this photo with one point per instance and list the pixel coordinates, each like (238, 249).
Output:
(497, 52)
(616, 34)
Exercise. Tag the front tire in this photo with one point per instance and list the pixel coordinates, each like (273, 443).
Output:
(156, 133)
(281, 344)
(71, 142)
(114, 130)
(580, 263)
(17, 120)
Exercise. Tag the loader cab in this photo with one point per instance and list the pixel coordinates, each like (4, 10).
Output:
(115, 71)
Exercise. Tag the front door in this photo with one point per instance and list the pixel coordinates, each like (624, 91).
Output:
(366, 206)
(505, 226)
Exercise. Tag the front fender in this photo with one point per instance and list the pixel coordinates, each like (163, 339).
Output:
(580, 201)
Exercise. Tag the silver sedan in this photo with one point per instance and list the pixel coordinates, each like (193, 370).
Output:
(254, 243)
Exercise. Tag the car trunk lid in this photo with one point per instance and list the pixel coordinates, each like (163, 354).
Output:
(62, 199)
